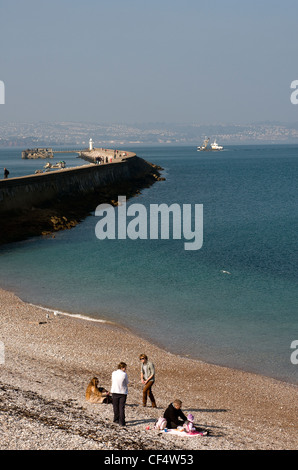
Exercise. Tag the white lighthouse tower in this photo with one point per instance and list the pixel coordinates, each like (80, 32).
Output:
(90, 144)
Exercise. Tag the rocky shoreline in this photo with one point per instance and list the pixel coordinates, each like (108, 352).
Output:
(49, 362)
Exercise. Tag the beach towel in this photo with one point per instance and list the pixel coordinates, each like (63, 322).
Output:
(182, 433)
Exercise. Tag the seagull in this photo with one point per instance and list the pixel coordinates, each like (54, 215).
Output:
(225, 272)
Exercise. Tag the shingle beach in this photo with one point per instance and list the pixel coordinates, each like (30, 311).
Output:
(49, 362)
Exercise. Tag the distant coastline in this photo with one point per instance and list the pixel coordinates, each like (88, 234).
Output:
(42, 134)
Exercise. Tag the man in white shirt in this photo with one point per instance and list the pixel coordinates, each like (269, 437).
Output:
(119, 392)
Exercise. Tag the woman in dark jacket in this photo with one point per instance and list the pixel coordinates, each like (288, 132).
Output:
(173, 413)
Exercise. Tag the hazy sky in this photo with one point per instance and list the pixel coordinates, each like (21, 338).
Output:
(135, 61)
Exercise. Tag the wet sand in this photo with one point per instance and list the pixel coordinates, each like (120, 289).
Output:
(49, 362)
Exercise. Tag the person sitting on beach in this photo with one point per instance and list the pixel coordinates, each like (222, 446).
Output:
(189, 425)
(174, 415)
(95, 394)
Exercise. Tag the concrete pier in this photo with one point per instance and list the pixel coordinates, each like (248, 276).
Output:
(29, 204)
(102, 155)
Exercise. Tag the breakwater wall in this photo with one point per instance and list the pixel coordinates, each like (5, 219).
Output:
(23, 193)
(30, 204)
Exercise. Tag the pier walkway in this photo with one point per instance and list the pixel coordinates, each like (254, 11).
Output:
(97, 156)
(101, 155)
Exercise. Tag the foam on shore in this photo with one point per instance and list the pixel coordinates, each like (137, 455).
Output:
(74, 315)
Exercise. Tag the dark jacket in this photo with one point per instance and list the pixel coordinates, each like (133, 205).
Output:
(172, 416)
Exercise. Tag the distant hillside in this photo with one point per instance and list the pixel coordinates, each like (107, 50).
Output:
(113, 135)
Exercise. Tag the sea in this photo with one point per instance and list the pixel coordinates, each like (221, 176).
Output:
(233, 302)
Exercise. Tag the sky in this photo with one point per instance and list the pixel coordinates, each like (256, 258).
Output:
(140, 61)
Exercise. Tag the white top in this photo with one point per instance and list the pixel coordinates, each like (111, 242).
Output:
(119, 382)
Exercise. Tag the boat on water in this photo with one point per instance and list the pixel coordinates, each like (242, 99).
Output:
(207, 147)
(204, 146)
(60, 164)
(215, 146)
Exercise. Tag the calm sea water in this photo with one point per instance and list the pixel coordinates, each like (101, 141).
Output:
(183, 300)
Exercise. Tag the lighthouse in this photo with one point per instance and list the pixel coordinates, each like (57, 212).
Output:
(90, 144)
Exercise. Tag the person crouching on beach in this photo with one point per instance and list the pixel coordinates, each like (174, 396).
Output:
(119, 392)
(174, 415)
(147, 379)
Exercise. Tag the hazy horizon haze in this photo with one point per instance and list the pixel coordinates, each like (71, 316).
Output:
(158, 61)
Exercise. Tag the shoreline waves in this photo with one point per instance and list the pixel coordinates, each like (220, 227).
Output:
(50, 361)
(67, 314)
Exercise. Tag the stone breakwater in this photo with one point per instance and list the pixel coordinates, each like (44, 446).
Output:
(43, 203)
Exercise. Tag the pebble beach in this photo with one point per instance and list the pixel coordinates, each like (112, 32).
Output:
(48, 363)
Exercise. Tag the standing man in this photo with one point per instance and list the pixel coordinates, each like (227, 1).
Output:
(6, 172)
(147, 379)
(119, 392)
